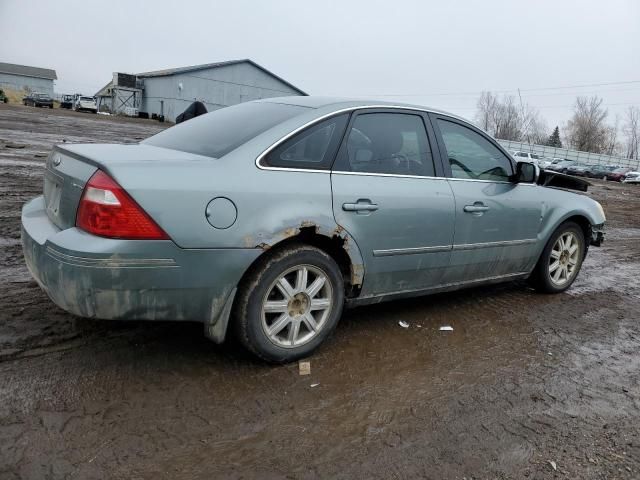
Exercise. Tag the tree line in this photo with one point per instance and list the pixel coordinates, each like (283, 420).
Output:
(588, 130)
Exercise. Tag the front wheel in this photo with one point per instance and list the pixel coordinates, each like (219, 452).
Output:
(289, 303)
(561, 260)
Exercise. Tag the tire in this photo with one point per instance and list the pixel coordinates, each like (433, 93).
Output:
(547, 279)
(262, 304)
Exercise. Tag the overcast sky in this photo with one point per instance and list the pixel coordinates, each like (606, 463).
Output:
(433, 53)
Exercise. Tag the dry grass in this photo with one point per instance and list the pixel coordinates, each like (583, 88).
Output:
(14, 96)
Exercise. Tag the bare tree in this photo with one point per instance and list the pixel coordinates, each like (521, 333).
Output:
(485, 115)
(631, 131)
(587, 130)
(611, 145)
(508, 124)
(506, 119)
(537, 128)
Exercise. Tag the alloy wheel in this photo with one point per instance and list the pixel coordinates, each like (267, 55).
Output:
(563, 259)
(297, 306)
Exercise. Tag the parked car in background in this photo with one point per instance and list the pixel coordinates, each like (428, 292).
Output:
(3, 97)
(560, 165)
(600, 171)
(38, 100)
(268, 217)
(524, 156)
(632, 177)
(544, 162)
(85, 104)
(578, 169)
(539, 160)
(66, 101)
(618, 174)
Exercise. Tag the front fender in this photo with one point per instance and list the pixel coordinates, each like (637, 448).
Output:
(559, 206)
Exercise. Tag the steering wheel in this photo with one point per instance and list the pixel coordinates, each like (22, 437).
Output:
(453, 161)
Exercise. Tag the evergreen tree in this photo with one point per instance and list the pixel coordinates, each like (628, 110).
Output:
(554, 139)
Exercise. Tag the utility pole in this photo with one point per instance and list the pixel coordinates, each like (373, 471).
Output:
(526, 125)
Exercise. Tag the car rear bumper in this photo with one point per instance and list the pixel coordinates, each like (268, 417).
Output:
(114, 279)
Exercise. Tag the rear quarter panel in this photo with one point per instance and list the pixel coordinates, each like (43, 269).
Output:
(176, 187)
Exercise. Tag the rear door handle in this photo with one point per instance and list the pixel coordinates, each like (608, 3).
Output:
(477, 207)
(362, 205)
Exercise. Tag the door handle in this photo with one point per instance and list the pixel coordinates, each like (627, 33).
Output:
(477, 207)
(362, 205)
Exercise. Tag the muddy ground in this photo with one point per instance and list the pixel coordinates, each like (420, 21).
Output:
(523, 380)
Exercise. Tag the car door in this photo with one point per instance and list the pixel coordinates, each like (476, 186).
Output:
(390, 195)
(497, 221)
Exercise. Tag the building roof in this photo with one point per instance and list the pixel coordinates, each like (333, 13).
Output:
(206, 66)
(26, 71)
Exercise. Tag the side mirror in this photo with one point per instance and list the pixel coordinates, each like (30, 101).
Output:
(526, 173)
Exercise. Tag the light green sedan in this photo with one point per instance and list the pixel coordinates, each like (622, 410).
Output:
(268, 217)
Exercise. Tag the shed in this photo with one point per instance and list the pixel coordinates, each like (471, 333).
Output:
(27, 79)
(170, 91)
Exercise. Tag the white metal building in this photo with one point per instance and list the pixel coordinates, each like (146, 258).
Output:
(169, 92)
(27, 79)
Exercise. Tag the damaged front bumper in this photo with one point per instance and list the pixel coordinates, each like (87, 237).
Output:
(597, 235)
(113, 279)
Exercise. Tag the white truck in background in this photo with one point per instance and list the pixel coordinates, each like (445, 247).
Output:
(83, 103)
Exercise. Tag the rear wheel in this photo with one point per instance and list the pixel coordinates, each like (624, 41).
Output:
(289, 303)
(561, 260)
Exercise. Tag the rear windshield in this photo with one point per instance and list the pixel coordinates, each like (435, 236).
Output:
(86, 99)
(221, 131)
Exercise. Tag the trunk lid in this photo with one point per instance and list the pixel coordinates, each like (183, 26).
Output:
(64, 179)
(69, 168)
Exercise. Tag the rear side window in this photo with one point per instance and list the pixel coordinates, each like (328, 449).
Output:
(313, 148)
(472, 156)
(221, 131)
(391, 143)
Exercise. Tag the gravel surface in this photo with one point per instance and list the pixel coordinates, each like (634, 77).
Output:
(525, 386)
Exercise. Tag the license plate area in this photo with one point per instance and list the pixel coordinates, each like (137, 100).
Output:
(52, 192)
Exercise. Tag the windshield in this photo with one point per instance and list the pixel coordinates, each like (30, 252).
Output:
(221, 131)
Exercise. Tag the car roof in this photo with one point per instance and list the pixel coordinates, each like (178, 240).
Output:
(338, 103)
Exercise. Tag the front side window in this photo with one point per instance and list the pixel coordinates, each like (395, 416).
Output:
(472, 156)
(314, 148)
(391, 143)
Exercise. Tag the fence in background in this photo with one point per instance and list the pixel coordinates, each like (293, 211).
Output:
(582, 157)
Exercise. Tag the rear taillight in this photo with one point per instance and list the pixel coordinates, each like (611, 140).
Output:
(107, 210)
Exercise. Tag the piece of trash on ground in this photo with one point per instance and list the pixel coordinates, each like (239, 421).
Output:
(313, 385)
(446, 328)
(553, 465)
(304, 368)
(403, 324)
